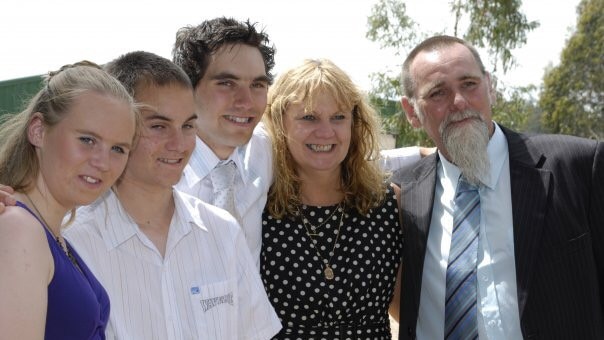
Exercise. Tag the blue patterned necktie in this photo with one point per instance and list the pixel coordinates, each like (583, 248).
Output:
(460, 303)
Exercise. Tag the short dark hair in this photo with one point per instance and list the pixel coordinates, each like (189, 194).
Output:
(431, 44)
(139, 68)
(195, 45)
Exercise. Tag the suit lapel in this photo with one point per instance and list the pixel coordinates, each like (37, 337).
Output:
(530, 190)
(417, 196)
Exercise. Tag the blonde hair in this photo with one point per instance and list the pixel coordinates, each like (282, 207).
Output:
(362, 181)
(18, 161)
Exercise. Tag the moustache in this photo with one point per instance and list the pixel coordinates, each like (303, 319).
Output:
(462, 115)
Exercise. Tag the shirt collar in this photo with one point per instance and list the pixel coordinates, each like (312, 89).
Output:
(497, 150)
(187, 209)
(116, 224)
(203, 160)
(120, 227)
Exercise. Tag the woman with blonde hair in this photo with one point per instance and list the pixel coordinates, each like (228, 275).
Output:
(64, 150)
(331, 240)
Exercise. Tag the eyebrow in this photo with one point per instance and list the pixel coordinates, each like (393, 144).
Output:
(438, 83)
(192, 117)
(159, 116)
(227, 75)
(468, 76)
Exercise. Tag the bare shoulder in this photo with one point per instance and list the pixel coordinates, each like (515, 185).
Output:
(18, 222)
(26, 269)
(22, 239)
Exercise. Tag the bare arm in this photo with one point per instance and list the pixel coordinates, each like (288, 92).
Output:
(25, 271)
(395, 304)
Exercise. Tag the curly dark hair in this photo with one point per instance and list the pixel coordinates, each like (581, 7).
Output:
(195, 45)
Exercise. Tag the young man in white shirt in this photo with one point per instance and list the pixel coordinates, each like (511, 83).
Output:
(229, 64)
(174, 266)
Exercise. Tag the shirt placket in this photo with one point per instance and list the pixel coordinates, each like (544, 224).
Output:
(171, 313)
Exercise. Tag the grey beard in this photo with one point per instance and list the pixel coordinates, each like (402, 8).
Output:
(467, 145)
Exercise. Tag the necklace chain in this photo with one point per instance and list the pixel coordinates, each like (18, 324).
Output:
(327, 271)
(315, 228)
(57, 238)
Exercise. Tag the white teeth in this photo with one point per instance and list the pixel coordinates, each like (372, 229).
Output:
(240, 120)
(90, 179)
(169, 161)
(321, 147)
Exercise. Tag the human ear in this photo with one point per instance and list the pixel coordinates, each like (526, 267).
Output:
(35, 130)
(409, 109)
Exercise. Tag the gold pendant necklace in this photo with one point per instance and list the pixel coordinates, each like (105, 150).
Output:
(314, 228)
(327, 270)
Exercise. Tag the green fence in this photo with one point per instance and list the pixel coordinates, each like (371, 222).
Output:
(15, 93)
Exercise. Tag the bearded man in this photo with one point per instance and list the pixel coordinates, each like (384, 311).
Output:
(504, 233)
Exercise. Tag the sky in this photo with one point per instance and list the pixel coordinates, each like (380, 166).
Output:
(41, 35)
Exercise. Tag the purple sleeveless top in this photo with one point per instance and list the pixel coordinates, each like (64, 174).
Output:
(78, 306)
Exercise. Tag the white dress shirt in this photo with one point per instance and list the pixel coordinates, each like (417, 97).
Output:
(498, 315)
(394, 159)
(204, 287)
(254, 177)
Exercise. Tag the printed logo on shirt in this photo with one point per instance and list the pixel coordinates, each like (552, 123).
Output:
(208, 304)
(194, 290)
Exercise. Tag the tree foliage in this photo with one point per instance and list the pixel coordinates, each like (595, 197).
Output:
(517, 108)
(394, 121)
(497, 25)
(572, 98)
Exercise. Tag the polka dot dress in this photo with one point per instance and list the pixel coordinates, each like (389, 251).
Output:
(365, 260)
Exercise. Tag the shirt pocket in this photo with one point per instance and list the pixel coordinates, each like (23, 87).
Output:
(215, 310)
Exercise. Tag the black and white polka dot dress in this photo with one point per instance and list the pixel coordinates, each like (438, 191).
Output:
(354, 303)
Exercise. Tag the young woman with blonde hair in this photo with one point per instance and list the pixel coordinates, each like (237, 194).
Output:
(64, 150)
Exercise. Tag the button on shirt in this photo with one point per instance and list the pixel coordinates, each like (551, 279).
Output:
(254, 177)
(498, 315)
(205, 287)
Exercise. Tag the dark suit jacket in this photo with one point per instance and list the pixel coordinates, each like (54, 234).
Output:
(557, 186)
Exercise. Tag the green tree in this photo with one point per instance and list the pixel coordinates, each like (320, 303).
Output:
(517, 108)
(497, 25)
(572, 98)
(384, 98)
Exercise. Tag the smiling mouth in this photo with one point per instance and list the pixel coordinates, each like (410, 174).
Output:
(91, 180)
(170, 161)
(320, 147)
(239, 120)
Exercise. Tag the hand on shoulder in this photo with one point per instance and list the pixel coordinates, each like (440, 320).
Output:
(423, 151)
(6, 198)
